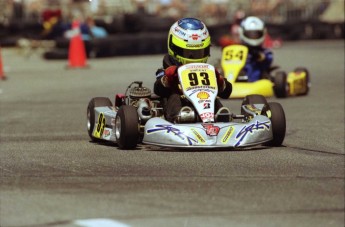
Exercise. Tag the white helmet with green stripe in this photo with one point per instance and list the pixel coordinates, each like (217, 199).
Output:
(189, 41)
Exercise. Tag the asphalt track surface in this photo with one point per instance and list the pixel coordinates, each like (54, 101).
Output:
(52, 175)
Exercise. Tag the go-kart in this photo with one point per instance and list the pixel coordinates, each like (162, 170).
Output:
(137, 117)
(272, 83)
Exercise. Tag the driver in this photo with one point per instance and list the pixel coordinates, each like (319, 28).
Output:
(252, 34)
(188, 42)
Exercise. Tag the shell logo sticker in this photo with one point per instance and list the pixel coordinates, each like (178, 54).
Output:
(203, 95)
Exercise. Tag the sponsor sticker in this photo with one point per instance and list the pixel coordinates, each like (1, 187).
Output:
(250, 129)
(211, 130)
(207, 115)
(227, 135)
(179, 32)
(203, 95)
(100, 126)
(207, 105)
(166, 128)
(106, 133)
(195, 36)
(195, 45)
(198, 136)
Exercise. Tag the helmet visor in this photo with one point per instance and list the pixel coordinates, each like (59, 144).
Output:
(195, 54)
(190, 54)
(256, 34)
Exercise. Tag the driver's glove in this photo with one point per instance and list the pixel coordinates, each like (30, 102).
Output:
(261, 56)
(220, 81)
(170, 76)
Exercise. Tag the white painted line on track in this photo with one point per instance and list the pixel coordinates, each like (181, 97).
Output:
(100, 222)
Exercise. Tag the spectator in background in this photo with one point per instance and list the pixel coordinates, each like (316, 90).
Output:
(213, 11)
(18, 10)
(267, 9)
(89, 30)
(141, 7)
(234, 36)
(171, 8)
(236, 24)
(53, 25)
(94, 31)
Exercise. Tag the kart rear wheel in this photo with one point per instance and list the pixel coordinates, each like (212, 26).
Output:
(95, 102)
(253, 99)
(275, 112)
(307, 81)
(127, 127)
(281, 86)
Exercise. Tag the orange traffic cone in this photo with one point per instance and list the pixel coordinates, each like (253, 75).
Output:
(2, 74)
(268, 43)
(76, 52)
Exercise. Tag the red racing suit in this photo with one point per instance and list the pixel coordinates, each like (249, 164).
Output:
(166, 86)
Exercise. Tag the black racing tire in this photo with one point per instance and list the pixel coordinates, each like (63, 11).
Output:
(307, 84)
(253, 99)
(127, 127)
(281, 87)
(275, 112)
(95, 102)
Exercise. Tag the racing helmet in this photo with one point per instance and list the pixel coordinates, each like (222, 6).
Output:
(252, 31)
(189, 41)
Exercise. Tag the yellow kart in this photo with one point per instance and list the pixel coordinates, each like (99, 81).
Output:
(280, 84)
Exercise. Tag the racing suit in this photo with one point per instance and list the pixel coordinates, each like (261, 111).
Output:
(258, 63)
(166, 86)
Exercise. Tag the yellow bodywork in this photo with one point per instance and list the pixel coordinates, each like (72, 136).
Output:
(233, 60)
(261, 87)
(297, 83)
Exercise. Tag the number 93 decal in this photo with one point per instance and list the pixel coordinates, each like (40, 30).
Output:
(192, 79)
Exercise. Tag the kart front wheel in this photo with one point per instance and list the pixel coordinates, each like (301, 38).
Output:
(127, 127)
(275, 112)
(253, 99)
(281, 86)
(95, 102)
